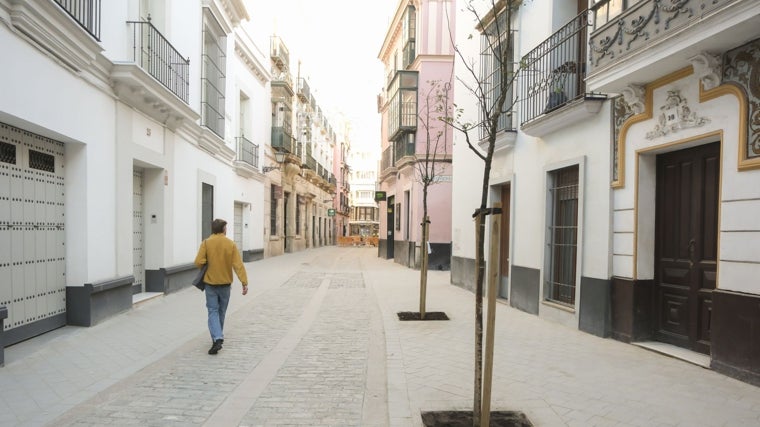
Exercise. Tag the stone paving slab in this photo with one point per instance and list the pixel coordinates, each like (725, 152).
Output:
(558, 376)
(320, 329)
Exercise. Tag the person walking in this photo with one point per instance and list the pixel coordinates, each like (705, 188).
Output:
(222, 256)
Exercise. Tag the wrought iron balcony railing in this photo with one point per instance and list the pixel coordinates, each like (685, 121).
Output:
(304, 92)
(85, 12)
(247, 152)
(387, 161)
(554, 72)
(154, 54)
(279, 53)
(311, 162)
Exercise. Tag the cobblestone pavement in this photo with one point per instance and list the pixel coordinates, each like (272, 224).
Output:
(317, 342)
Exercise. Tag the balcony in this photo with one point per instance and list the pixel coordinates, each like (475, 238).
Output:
(282, 84)
(553, 81)
(282, 140)
(404, 151)
(85, 12)
(247, 160)
(304, 92)
(68, 30)
(156, 82)
(387, 163)
(279, 53)
(402, 105)
(154, 54)
(247, 152)
(638, 42)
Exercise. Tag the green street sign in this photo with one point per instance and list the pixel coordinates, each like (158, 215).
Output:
(331, 212)
(379, 196)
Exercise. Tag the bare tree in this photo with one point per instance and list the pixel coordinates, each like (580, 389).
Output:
(489, 81)
(428, 169)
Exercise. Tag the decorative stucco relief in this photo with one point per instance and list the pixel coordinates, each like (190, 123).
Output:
(741, 67)
(675, 115)
(708, 68)
(621, 111)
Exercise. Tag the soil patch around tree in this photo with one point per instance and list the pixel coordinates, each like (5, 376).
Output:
(464, 419)
(415, 315)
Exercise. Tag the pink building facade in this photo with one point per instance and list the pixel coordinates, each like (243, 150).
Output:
(418, 56)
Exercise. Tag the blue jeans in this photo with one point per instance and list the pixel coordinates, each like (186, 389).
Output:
(217, 299)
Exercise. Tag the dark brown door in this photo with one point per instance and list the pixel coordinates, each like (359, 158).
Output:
(504, 243)
(686, 245)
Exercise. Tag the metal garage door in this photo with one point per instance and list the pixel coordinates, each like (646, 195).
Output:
(32, 251)
(138, 249)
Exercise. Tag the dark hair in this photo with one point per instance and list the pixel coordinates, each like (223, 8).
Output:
(218, 226)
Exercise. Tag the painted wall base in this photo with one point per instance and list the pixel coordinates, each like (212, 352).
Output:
(735, 335)
(382, 248)
(94, 302)
(631, 309)
(463, 272)
(594, 308)
(525, 289)
(170, 279)
(253, 255)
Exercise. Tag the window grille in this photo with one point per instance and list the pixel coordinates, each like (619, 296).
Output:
(41, 161)
(563, 235)
(213, 77)
(7, 153)
(497, 54)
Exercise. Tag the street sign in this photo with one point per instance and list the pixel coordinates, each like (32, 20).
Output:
(379, 196)
(331, 212)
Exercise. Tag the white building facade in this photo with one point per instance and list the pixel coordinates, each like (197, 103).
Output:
(126, 128)
(629, 174)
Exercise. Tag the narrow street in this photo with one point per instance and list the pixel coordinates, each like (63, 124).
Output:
(317, 343)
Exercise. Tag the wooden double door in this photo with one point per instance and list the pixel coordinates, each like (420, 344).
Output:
(686, 245)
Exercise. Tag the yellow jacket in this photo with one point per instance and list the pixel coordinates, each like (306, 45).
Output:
(222, 256)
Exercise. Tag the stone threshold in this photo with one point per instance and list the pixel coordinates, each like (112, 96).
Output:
(145, 296)
(676, 352)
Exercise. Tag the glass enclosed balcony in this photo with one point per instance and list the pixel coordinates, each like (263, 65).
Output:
(402, 104)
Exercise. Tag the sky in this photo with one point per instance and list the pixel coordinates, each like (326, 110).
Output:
(337, 42)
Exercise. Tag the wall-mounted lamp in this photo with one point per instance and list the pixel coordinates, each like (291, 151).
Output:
(279, 157)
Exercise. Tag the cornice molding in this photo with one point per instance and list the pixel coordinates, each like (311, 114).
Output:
(250, 61)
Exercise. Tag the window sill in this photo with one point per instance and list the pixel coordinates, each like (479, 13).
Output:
(559, 306)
